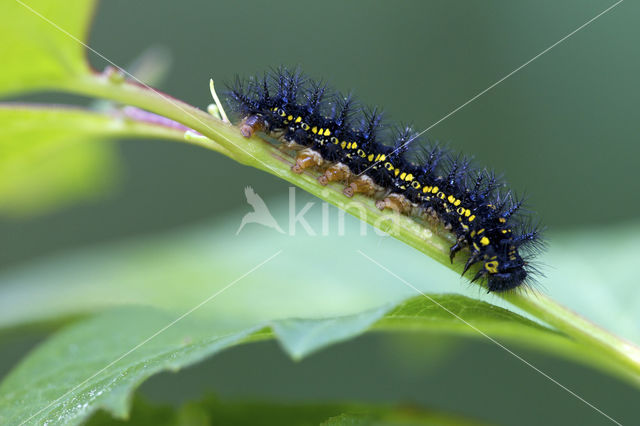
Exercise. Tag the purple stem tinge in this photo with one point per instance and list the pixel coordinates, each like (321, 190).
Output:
(149, 117)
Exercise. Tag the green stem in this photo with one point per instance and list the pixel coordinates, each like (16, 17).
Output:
(430, 239)
(624, 355)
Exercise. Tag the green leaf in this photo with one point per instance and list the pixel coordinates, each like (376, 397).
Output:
(303, 304)
(78, 352)
(179, 269)
(255, 413)
(52, 156)
(35, 54)
(206, 258)
(98, 362)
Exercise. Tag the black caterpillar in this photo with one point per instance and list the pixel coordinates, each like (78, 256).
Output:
(351, 145)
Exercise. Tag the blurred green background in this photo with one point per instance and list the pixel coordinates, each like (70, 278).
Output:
(563, 130)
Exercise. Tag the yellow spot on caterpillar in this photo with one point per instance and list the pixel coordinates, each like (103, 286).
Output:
(426, 189)
(473, 234)
(415, 184)
(409, 177)
(484, 241)
(314, 129)
(472, 217)
(457, 203)
(388, 166)
(441, 195)
(465, 227)
(334, 140)
(370, 157)
(281, 113)
(396, 172)
(492, 266)
(403, 175)
(504, 231)
(299, 119)
(451, 198)
(327, 132)
(361, 153)
(475, 246)
(481, 231)
(435, 189)
(354, 145)
(460, 210)
(320, 131)
(290, 117)
(305, 127)
(467, 212)
(343, 144)
(502, 220)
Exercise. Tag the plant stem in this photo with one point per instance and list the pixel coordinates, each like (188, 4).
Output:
(624, 354)
(430, 239)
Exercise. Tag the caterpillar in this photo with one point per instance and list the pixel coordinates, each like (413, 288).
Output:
(353, 145)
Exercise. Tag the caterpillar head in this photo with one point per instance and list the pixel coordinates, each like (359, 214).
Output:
(504, 274)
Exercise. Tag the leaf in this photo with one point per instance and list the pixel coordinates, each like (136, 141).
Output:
(179, 269)
(206, 258)
(98, 362)
(51, 156)
(83, 349)
(255, 413)
(35, 54)
(306, 304)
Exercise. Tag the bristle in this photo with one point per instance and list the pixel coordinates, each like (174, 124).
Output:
(387, 162)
